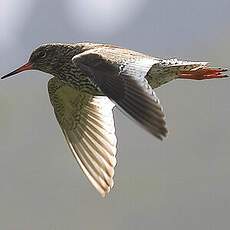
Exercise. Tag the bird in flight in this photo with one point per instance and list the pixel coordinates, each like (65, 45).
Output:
(89, 80)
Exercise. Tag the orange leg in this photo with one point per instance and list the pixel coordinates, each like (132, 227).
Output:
(203, 73)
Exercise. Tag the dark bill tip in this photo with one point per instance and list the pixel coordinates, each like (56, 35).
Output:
(27, 66)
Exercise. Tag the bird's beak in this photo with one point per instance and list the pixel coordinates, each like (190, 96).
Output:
(27, 66)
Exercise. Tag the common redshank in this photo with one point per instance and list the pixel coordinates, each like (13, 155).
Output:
(89, 80)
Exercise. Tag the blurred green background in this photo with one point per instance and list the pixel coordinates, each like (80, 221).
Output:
(180, 183)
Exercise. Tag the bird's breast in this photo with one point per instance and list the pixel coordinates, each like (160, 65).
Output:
(77, 79)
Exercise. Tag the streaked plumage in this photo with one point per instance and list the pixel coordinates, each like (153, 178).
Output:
(89, 80)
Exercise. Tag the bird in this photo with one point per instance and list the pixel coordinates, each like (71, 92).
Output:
(89, 80)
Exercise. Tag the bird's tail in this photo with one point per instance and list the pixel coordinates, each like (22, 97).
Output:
(203, 72)
(170, 69)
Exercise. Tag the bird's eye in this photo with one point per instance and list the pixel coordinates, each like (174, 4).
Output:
(41, 54)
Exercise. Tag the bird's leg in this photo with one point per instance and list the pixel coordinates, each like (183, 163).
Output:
(203, 73)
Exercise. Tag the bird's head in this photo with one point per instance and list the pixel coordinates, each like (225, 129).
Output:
(49, 58)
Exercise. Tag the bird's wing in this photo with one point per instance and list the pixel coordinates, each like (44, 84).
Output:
(122, 79)
(88, 125)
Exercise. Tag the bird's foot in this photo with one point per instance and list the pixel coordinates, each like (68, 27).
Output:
(204, 73)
